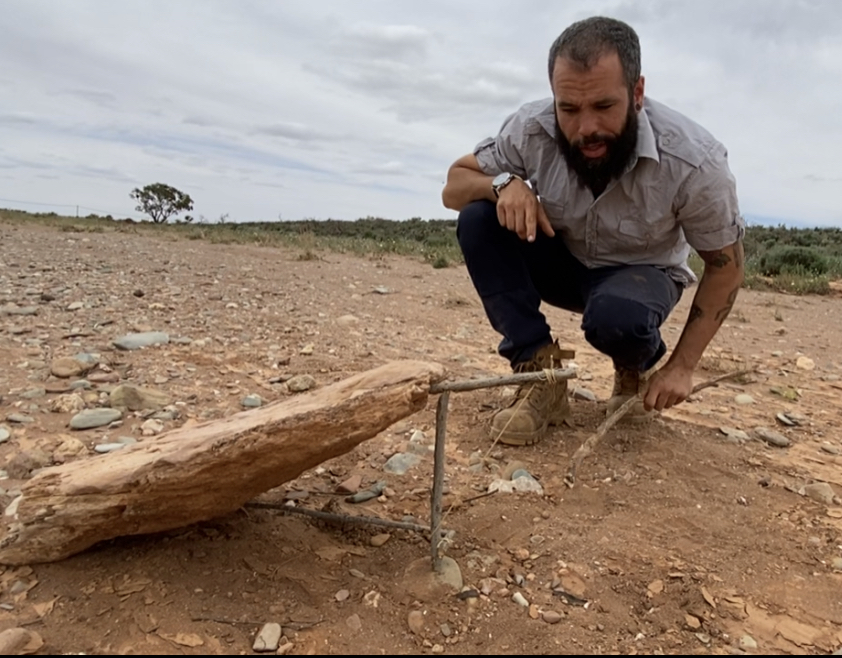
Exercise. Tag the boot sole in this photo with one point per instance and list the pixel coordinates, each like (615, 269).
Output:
(519, 438)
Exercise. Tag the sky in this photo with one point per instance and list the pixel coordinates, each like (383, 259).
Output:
(263, 110)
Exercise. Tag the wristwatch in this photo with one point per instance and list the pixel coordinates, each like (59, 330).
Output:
(501, 180)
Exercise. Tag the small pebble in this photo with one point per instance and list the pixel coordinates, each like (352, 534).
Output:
(518, 598)
(551, 616)
(415, 620)
(378, 540)
(744, 399)
(342, 595)
(772, 437)
(268, 638)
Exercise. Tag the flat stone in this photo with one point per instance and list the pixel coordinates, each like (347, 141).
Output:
(252, 401)
(836, 564)
(19, 642)
(68, 366)
(805, 363)
(5, 434)
(378, 540)
(346, 320)
(748, 642)
(584, 394)
(20, 418)
(354, 623)
(103, 448)
(831, 449)
(11, 309)
(821, 492)
(128, 397)
(90, 418)
(401, 462)
(772, 437)
(104, 378)
(268, 638)
(139, 340)
(33, 393)
(75, 306)
(744, 399)
(427, 585)
(301, 383)
(734, 433)
(342, 595)
(152, 427)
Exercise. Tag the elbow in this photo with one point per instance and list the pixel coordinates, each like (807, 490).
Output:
(448, 199)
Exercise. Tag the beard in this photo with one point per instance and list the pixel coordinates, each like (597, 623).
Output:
(596, 173)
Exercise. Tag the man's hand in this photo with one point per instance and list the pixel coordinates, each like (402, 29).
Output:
(519, 210)
(668, 387)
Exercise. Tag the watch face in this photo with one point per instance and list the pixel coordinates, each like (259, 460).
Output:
(501, 178)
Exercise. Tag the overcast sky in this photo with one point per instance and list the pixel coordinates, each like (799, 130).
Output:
(260, 109)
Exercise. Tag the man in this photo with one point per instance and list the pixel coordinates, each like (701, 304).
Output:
(590, 201)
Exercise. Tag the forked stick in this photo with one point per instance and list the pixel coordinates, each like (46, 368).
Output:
(591, 442)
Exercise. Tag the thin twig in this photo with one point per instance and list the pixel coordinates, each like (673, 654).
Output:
(482, 495)
(503, 380)
(591, 442)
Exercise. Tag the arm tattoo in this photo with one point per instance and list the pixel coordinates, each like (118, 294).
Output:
(695, 314)
(720, 259)
(722, 313)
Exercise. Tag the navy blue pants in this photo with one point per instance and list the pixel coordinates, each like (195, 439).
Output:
(622, 307)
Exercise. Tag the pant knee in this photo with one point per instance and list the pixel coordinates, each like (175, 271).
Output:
(476, 222)
(622, 328)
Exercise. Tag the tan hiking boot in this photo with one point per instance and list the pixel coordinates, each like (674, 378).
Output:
(536, 405)
(626, 384)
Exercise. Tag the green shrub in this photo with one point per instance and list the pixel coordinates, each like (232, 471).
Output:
(793, 260)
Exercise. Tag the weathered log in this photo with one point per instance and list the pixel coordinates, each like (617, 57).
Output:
(196, 473)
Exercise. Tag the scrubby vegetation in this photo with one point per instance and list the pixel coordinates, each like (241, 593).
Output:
(800, 261)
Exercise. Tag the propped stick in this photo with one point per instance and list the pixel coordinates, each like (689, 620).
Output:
(591, 442)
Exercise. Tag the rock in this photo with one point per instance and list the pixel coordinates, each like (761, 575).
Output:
(104, 377)
(831, 449)
(75, 306)
(126, 440)
(12, 309)
(836, 564)
(69, 447)
(401, 462)
(152, 427)
(551, 616)
(140, 340)
(744, 399)
(90, 418)
(67, 404)
(351, 485)
(285, 648)
(23, 463)
(252, 401)
(734, 433)
(301, 383)
(21, 419)
(82, 384)
(103, 448)
(354, 623)
(418, 437)
(415, 621)
(821, 492)
(772, 437)
(19, 642)
(33, 393)
(308, 349)
(382, 290)
(584, 394)
(67, 367)
(128, 397)
(522, 484)
(347, 320)
(805, 363)
(519, 598)
(692, 622)
(748, 642)
(511, 467)
(5, 433)
(783, 419)
(342, 595)
(268, 638)
(378, 540)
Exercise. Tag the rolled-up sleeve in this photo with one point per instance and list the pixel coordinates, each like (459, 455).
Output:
(707, 207)
(505, 151)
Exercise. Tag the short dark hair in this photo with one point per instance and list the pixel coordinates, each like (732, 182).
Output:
(586, 41)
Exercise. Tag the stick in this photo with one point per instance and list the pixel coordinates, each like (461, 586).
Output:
(341, 518)
(489, 382)
(590, 443)
(438, 479)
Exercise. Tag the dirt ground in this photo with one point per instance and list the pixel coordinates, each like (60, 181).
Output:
(676, 539)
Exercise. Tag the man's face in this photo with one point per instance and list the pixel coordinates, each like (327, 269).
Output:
(596, 118)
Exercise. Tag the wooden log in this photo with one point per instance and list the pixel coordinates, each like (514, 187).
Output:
(196, 473)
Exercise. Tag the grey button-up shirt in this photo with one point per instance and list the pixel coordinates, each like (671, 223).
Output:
(676, 193)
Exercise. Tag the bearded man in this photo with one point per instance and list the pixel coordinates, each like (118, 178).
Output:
(591, 201)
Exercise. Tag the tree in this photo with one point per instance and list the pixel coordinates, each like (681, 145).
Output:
(161, 201)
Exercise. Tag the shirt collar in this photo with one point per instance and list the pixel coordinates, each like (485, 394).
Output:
(646, 145)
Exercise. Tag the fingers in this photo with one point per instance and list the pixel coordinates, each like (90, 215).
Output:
(659, 397)
(530, 221)
(544, 222)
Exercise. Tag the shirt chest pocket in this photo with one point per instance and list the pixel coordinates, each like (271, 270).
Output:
(633, 232)
(564, 219)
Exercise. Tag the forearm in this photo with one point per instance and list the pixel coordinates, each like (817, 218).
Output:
(718, 289)
(465, 185)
